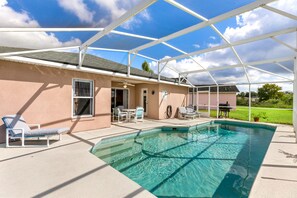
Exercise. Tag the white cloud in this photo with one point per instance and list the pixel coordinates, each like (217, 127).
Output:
(113, 7)
(249, 24)
(12, 18)
(137, 20)
(212, 37)
(197, 46)
(261, 21)
(34, 40)
(79, 8)
(3, 3)
(116, 8)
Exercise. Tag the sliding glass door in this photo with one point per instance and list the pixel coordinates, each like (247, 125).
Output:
(119, 97)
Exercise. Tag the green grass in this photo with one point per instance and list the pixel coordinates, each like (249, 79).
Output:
(273, 115)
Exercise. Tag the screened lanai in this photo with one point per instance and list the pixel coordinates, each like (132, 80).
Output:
(244, 43)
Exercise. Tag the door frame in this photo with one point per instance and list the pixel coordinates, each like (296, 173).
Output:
(141, 99)
(121, 88)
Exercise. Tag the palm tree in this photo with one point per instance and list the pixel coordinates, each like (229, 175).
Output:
(146, 67)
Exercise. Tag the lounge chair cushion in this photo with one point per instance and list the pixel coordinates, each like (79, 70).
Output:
(182, 110)
(45, 132)
(15, 122)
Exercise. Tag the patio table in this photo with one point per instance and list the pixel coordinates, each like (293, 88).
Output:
(129, 113)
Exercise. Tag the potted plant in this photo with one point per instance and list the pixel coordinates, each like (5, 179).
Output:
(259, 115)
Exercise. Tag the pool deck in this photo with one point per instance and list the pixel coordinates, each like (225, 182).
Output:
(67, 169)
(277, 176)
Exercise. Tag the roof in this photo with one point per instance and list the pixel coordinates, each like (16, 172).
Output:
(225, 89)
(90, 61)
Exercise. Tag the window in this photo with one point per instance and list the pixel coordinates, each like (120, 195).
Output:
(83, 99)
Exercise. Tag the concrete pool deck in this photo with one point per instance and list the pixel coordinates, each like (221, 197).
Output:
(67, 169)
(277, 176)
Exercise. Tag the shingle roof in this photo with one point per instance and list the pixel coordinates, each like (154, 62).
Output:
(90, 61)
(225, 89)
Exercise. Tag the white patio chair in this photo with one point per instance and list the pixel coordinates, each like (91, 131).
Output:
(119, 115)
(138, 115)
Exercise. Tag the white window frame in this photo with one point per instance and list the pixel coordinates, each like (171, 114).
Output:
(90, 97)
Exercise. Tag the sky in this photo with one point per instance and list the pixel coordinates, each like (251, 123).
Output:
(157, 21)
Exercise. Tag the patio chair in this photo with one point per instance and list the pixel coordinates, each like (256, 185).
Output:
(183, 113)
(190, 109)
(119, 115)
(17, 128)
(139, 114)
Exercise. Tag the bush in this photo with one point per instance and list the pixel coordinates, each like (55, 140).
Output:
(242, 101)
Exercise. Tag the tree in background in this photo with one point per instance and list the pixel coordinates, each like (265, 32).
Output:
(146, 67)
(253, 94)
(269, 91)
(241, 94)
(287, 98)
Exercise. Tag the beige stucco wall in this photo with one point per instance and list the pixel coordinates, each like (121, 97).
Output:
(177, 97)
(153, 100)
(157, 104)
(223, 98)
(43, 95)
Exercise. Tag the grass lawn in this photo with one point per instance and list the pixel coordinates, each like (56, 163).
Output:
(273, 115)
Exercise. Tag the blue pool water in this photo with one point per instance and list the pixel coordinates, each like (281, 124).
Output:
(217, 161)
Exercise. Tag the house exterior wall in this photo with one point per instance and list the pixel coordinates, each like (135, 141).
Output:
(153, 100)
(44, 95)
(224, 97)
(177, 97)
(157, 103)
(131, 92)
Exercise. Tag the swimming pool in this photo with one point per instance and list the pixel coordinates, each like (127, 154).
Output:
(217, 159)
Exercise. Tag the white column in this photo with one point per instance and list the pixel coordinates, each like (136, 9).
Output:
(159, 75)
(208, 101)
(218, 100)
(129, 65)
(295, 93)
(197, 99)
(295, 97)
(250, 103)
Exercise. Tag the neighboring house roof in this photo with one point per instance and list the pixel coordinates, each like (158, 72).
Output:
(225, 89)
(90, 61)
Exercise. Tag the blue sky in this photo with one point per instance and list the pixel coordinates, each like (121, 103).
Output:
(157, 21)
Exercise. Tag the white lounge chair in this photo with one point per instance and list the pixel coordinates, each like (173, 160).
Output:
(17, 128)
(184, 114)
(190, 109)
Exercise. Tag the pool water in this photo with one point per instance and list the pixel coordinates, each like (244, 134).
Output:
(207, 161)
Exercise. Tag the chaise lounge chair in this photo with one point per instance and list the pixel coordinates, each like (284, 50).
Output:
(17, 128)
(190, 109)
(184, 113)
